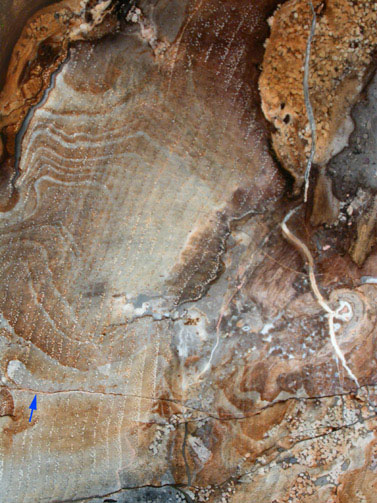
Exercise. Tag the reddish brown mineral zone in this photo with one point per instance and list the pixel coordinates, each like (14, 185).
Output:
(148, 297)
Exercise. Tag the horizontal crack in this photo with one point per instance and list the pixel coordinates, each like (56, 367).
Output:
(124, 489)
(208, 414)
(333, 429)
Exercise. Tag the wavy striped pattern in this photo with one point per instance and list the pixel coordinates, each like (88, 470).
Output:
(130, 175)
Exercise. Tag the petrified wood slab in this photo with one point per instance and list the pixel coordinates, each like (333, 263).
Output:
(149, 299)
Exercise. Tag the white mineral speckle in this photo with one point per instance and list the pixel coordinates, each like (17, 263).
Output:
(200, 449)
(16, 371)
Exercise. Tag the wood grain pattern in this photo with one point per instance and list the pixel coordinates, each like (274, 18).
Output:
(148, 297)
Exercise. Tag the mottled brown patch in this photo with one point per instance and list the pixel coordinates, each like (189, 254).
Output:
(358, 485)
(366, 234)
(13, 16)
(6, 403)
(256, 427)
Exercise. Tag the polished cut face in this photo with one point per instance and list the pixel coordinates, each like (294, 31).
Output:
(148, 299)
(131, 170)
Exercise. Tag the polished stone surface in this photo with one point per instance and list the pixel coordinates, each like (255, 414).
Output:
(150, 300)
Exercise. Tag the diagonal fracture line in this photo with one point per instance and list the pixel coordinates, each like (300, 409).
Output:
(309, 109)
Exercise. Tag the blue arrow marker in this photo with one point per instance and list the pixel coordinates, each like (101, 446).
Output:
(33, 407)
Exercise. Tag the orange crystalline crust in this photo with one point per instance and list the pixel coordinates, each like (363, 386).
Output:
(341, 60)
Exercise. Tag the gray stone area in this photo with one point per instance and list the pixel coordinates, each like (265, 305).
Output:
(165, 494)
(356, 166)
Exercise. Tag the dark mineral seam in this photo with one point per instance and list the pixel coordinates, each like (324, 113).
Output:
(28, 117)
